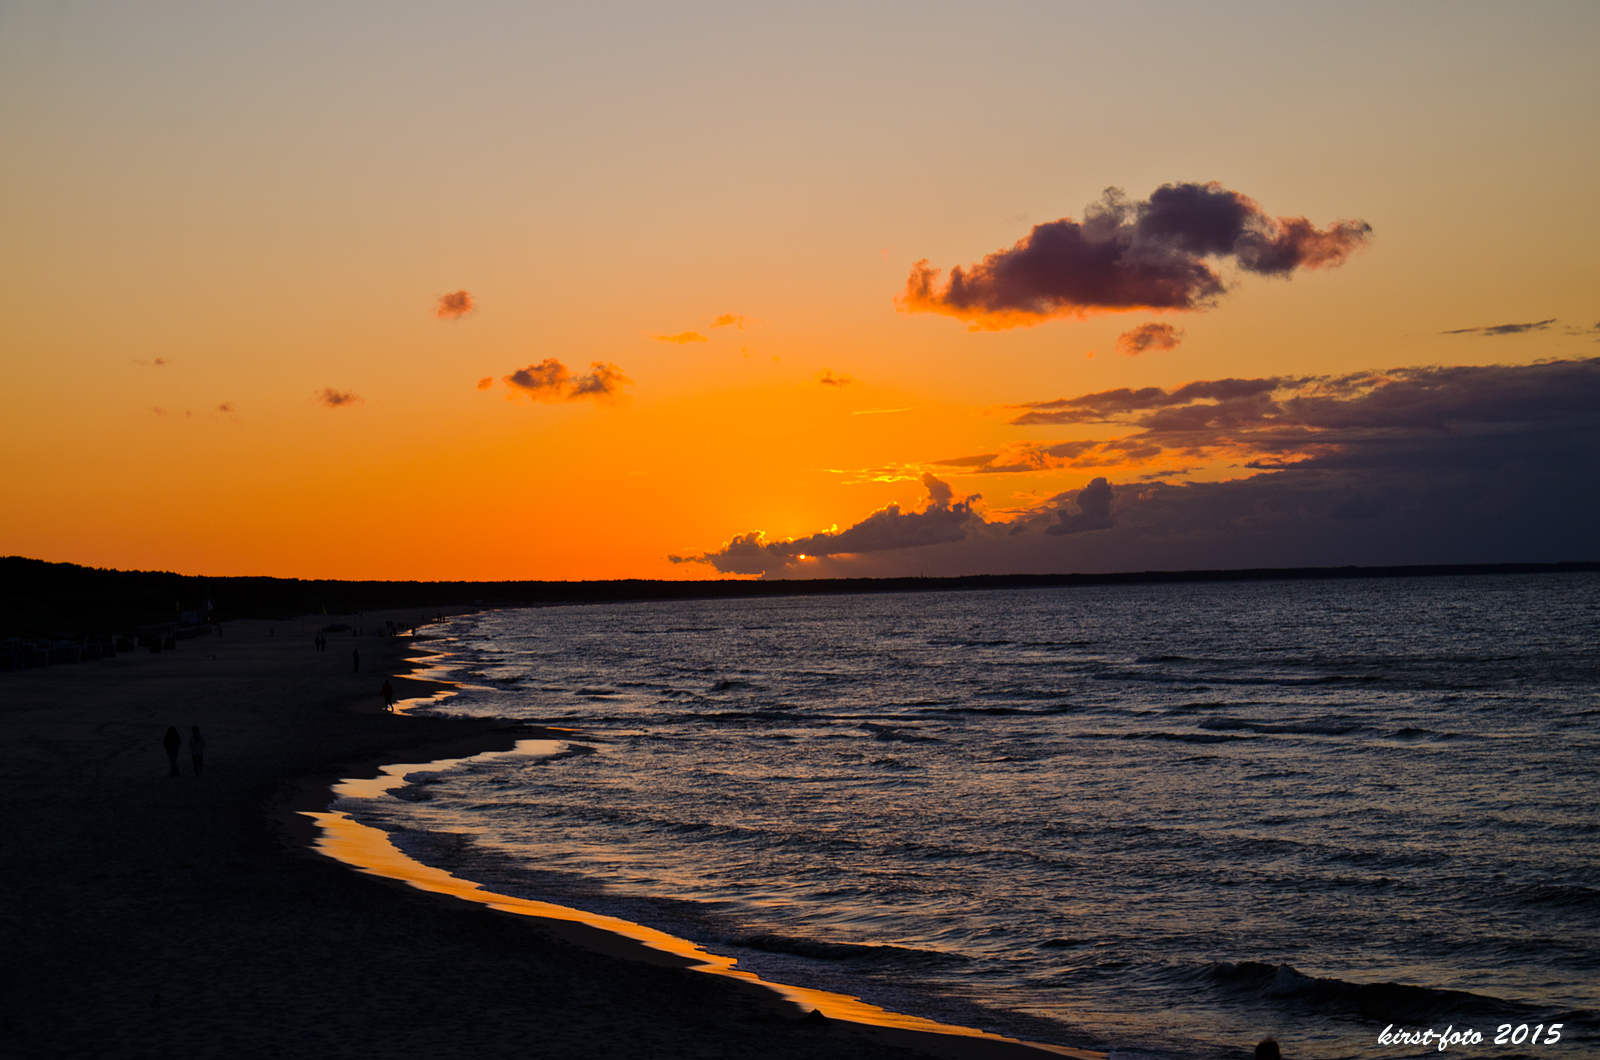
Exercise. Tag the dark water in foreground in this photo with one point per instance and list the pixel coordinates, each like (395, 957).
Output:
(1162, 819)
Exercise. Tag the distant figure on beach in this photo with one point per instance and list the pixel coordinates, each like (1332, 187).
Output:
(356, 655)
(1268, 1050)
(172, 741)
(388, 696)
(197, 749)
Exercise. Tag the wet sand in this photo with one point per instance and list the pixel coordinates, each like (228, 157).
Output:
(148, 915)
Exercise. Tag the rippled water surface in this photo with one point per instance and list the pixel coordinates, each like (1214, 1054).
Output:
(1168, 819)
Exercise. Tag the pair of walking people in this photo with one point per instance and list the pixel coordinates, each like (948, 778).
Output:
(197, 749)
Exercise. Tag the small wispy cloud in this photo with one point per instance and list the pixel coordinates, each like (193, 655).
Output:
(1503, 329)
(455, 305)
(1148, 337)
(682, 338)
(159, 362)
(486, 382)
(827, 378)
(182, 414)
(881, 412)
(338, 399)
(729, 320)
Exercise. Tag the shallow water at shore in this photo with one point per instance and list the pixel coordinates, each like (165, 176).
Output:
(1165, 818)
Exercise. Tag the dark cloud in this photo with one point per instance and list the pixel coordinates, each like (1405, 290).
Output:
(1503, 329)
(1111, 406)
(942, 519)
(1415, 415)
(1094, 511)
(336, 399)
(455, 305)
(551, 382)
(1149, 337)
(1155, 254)
(1460, 464)
(827, 378)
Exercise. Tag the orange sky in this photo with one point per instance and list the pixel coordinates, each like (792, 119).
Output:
(216, 219)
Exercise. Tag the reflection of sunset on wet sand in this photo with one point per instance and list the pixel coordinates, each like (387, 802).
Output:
(369, 850)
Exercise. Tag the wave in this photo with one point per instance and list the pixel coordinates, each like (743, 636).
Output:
(1285, 985)
(860, 953)
(1182, 737)
(1316, 727)
(1562, 895)
(1411, 734)
(895, 735)
(733, 684)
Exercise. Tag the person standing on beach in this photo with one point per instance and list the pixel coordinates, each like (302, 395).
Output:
(197, 749)
(356, 655)
(388, 695)
(172, 741)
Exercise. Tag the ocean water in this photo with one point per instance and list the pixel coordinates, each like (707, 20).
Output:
(1166, 820)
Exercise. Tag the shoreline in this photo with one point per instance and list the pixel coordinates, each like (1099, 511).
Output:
(366, 850)
(142, 910)
(309, 818)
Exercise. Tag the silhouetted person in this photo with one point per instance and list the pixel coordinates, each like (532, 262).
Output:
(1268, 1050)
(197, 749)
(356, 656)
(388, 696)
(172, 741)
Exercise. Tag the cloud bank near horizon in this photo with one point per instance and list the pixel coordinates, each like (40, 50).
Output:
(1408, 465)
(1151, 254)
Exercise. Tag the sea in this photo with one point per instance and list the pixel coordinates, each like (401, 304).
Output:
(1161, 820)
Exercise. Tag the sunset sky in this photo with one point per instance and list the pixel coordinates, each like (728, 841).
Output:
(508, 290)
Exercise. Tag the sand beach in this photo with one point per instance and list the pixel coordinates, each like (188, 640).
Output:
(150, 915)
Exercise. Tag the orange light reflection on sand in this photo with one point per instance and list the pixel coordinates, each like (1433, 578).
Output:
(368, 850)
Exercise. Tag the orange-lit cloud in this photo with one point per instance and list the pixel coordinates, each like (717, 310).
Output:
(729, 319)
(827, 378)
(941, 519)
(683, 337)
(335, 399)
(455, 305)
(169, 412)
(159, 362)
(1130, 255)
(604, 383)
(550, 382)
(486, 382)
(1149, 337)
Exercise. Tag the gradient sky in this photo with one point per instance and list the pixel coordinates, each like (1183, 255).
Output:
(227, 229)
